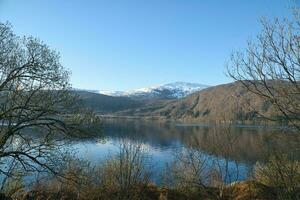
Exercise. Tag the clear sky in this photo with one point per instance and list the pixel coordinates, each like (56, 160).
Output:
(121, 45)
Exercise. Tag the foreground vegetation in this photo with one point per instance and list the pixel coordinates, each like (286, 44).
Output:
(127, 175)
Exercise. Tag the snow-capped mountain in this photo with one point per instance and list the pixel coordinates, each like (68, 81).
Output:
(170, 91)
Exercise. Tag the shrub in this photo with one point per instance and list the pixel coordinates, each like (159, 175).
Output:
(281, 173)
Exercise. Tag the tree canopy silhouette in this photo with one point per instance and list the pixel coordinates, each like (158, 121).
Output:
(36, 104)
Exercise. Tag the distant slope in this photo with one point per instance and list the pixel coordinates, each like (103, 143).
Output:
(106, 104)
(223, 102)
(167, 91)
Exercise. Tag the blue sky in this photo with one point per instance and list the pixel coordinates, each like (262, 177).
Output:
(121, 45)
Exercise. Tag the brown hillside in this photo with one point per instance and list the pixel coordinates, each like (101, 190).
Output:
(223, 102)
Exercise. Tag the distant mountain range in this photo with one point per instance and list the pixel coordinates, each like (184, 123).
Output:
(174, 90)
(218, 103)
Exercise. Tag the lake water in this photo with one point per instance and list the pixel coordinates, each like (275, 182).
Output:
(237, 147)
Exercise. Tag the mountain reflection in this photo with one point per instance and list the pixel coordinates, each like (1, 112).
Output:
(247, 144)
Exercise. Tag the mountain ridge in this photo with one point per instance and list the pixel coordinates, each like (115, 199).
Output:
(225, 102)
(174, 90)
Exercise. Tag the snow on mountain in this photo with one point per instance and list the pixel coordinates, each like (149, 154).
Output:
(105, 92)
(170, 90)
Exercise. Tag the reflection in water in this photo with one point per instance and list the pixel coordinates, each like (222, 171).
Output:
(234, 145)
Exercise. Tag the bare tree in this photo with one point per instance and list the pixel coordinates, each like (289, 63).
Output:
(189, 172)
(225, 170)
(131, 171)
(270, 68)
(35, 101)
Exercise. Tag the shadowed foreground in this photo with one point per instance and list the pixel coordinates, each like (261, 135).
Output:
(239, 191)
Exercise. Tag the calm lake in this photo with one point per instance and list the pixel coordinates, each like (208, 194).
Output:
(237, 147)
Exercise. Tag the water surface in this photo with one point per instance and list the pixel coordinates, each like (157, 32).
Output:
(238, 146)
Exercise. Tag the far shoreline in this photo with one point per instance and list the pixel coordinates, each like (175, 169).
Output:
(193, 122)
